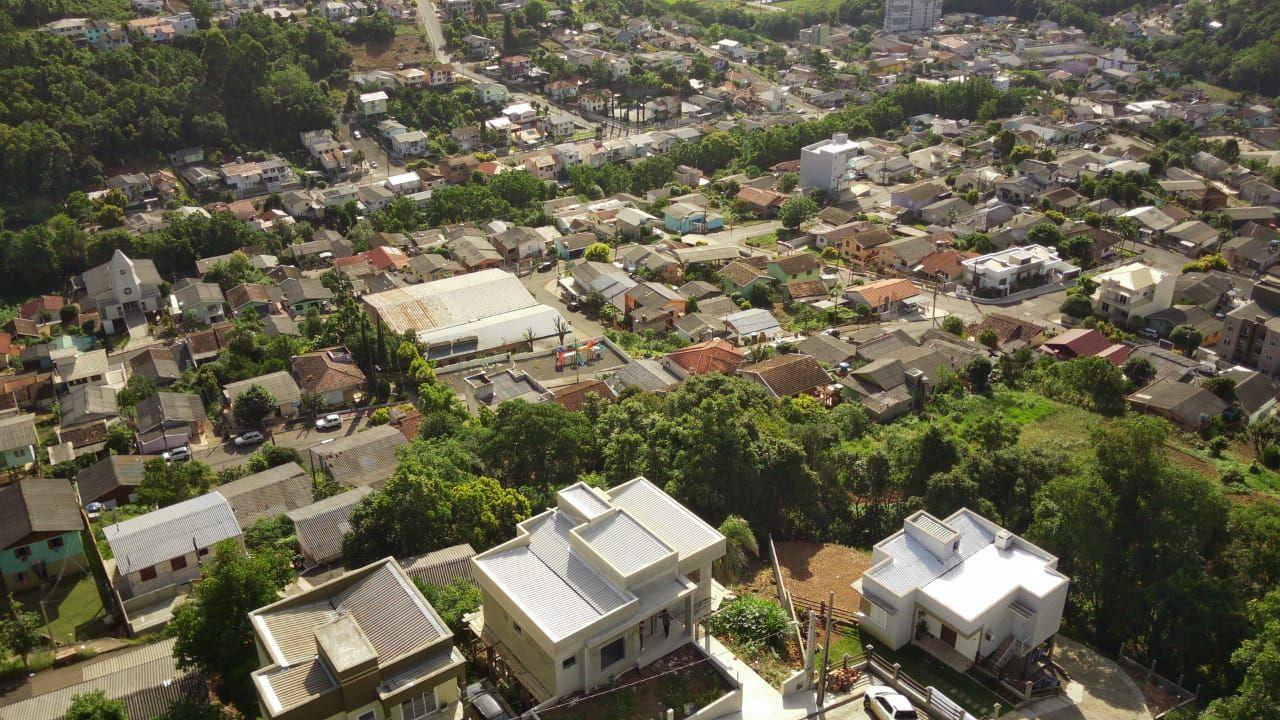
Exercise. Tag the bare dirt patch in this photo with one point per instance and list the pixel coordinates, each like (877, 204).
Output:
(811, 570)
(405, 48)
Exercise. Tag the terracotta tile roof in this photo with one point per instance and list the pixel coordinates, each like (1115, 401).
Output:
(32, 309)
(946, 261)
(319, 372)
(6, 343)
(1007, 328)
(805, 289)
(209, 342)
(798, 263)
(384, 256)
(877, 293)
(573, 397)
(741, 274)
(787, 375)
(714, 355)
(760, 197)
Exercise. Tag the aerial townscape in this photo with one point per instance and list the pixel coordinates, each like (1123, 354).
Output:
(639, 359)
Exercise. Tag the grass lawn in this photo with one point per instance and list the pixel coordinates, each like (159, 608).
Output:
(768, 241)
(929, 671)
(846, 641)
(74, 608)
(1215, 93)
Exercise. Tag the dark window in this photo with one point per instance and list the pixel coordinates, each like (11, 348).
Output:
(516, 625)
(23, 552)
(148, 573)
(55, 542)
(569, 662)
(202, 552)
(178, 563)
(613, 652)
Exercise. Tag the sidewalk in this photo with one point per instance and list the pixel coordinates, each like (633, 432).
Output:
(760, 700)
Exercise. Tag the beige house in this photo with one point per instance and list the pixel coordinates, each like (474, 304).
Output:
(364, 646)
(604, 582)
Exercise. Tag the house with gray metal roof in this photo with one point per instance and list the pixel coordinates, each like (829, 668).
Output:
(112, 480)
(272, 492)
(605, 581)
(359, 459)
(967, 590)
(165, 547)
(280, 384)
(322, 524)
(17, 440)
(363, 645)
(40, 525)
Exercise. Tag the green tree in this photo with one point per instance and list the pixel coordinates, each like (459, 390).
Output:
(120, 439)
(402, 519)
(484, 513)
(253, 406)
(1076, 305)
(538, 446)
(1223, 387)
(989, 337)
(977, 372)
(95, 706)
(1186, 338)
(442, 412)
(270, 455)
(740, 547)
(954, 325)
(1258, 694)
(212, 626)
(452, 601)
(165, 483)
(1004, 143)
(20, 633)
(1046, 234)
(795, 210)
(597, 252)
(1139, 370)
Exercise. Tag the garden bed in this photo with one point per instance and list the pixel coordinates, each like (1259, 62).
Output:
(649, 690)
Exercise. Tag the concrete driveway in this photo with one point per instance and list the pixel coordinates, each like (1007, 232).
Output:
(1099, 690)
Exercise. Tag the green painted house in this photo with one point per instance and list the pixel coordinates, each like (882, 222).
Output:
(792, 268)
(40, 526)
(17, 440)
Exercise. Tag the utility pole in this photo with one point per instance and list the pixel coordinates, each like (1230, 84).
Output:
(826, 650)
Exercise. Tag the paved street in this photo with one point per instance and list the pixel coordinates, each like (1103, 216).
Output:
(299, 438)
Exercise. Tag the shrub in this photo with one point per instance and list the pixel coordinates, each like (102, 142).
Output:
(1270, 457)
(752, 620)
(1218, 445)
(381, 416)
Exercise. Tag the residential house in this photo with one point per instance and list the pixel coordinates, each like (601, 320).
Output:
(761, 203)
(1132, 292)
(1252, 253)
(1192, 237)
(18, 440)
(112, 480)
(1011, 333)
(683, 218)
(322, 524)
(889, 296)
(164, 548)
(433, 266)
(744, 277)
(752, 326)
(121, 290)
(828, 349)
(1209, 327)
(1184, 404)
(604, 581)
(373, 104)
(858, 241)
(967, 588)
(346, 659)
(279, 384)
(1004, 271)
(907, 253)
(795, 267)
(711, 355)
(914, 198)
(266, 494)
(40, 531)
(648, 375)
(1085, 342)
(85, 404)
(167, 420)
(134, 187)
(302, 294)
(193, 301)
(332, 374)
(253, 298)
(361, 459)
(789, 375)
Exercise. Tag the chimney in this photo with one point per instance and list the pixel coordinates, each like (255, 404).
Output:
(840, 138)
(1003, 540)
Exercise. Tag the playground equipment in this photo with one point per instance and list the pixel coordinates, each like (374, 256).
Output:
(578, 354)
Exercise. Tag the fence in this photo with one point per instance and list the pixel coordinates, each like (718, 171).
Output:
(803, 678)
(929, 698)
(1183, 696)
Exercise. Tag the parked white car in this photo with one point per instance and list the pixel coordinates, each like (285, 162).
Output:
(328, 422)
(885, 703)
(253, 437)
(177, 454)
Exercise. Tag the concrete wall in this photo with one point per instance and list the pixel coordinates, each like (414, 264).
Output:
(535, 658)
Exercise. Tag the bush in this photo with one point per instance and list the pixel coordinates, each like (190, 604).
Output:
(381, 416)
(1270, 457)
(752, 620)
(953, 324)
(1218, 445)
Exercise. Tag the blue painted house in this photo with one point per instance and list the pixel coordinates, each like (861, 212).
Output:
(683, 217)
(40, 533)
(17, 440)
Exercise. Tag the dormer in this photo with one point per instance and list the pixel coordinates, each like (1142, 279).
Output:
(582, 501)
(940, 540)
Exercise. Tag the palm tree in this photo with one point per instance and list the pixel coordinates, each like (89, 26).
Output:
(740, 542)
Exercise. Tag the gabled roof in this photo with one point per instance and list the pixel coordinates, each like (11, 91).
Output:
(280, 384)
(17, 430)
(362, 458)
(826, 348)
(1185, 401)
(328, 370)
(86, 403)
(787, 375)
(797, 263)
(646, 374)
(879, 292)
(274, 491)
(39, 507)
(441, 567)
(171, 532)
(322, 524)
(109, 474)
(169, 407)
(714, 355)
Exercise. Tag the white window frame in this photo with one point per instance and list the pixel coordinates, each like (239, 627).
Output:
(407, 709)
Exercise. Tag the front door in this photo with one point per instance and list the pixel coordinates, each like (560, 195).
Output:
(948, 636)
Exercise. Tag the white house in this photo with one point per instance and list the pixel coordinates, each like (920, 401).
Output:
(1133, 292)
(165, 547)
(825, 164)
(1003, 271)
(605, 581)
(374, 103)
(963, 586)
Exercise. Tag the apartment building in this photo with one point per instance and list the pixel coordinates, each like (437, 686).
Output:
(911, 15)
(825, 164)
(1250, 332)
(364, 646)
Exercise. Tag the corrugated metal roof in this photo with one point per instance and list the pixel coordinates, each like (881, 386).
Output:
(287, 687)
(442, 566)
(363, 458)
(108, 474)
(118, 661)
(625, 543)
(270, 492)
(37, 505)
(452, 301)
(322, 524)
(147, 690)
(171, 532)
(672, 523)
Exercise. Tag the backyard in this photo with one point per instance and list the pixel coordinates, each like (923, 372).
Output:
(74, 609)
(928, 671)
(680, 680)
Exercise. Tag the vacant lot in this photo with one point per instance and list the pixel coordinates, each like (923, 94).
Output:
(405, 48)
(811, 570)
